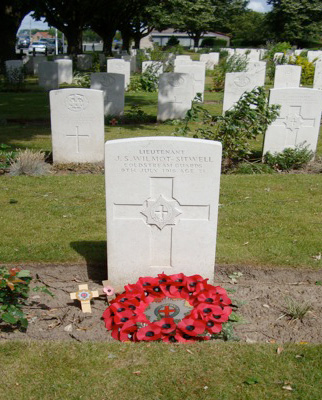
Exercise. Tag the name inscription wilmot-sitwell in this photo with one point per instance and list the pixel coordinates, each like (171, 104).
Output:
(162, 161)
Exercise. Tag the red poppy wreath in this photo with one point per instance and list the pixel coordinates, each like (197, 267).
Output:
(171, 308)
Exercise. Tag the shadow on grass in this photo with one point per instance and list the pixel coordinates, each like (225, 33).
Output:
(95, 254)
(142, 100)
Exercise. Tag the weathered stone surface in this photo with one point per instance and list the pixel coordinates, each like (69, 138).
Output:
(162, 204)
(65, 71)
(287, 76)
(298, 122)
(77, 125)
(118, 66)
(48, 75)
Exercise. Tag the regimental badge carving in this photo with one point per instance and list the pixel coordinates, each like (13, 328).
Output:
(242, 81)
(293, 121)
(168, 308)
(76, 102)
(161, 212)
(176, 81)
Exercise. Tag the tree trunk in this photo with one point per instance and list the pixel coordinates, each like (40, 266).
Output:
(74, 41)
(107, 44)
(11, 16)
(126, 38)
(196, 41)
(137, 40)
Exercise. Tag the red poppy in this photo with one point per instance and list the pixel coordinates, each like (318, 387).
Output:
(116, 333)
(191, 326)
(108, 317)
(183, 337)
(122, 317)
(178, 279)
(205, 310)
(179, 292)
(213, 327)
(149, 332)
(128, 331)
(167, 325)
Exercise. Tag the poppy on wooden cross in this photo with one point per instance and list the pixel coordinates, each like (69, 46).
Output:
(84, 295)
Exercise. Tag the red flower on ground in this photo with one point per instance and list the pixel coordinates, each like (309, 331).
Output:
(150, 332)
(192, 326)
(167, 325)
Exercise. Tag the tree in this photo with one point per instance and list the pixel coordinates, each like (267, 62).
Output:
(69, 16)
(249, 29)
(296, 21)
(12, 12)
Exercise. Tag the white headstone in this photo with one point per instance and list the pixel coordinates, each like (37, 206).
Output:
(161, 206)
(182, 60)
(77, 125)
(236, 84)
(278, 57)
(317, 83)
(132, 60)
(298, 122)
(65, 71)
(155, 66)
(211, 59)
(112, 86)
(33, 63)
(84, 62)
(118, 66)
(197, 70)
(287, 76)
(48, 75)
(314, 55)
(14, 71)
(102, 59)
(259, 69)
(230, 52)
(175, 96)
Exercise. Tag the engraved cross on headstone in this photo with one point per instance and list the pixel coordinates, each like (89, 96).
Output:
(293, 121)
(77, 135)
(161, 212)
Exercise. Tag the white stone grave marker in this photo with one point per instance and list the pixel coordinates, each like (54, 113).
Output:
(65, 71)
(112, 86)
(287, 76)
(48, 75)
(175, 96)
(317, 83)
(236, 84)
(197, 71)
(84, 62)
(298, 122)
(259, 69)
(161, 204)
(211, 59)
(314, 55)
(118, 66)
(77, 125)
(14, 70)
(182, 60)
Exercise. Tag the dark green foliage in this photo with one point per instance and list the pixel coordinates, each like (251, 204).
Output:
(289, 158)
(235, 63)
(173, 41)
(14, 291)
(249, 118)
(7, 154)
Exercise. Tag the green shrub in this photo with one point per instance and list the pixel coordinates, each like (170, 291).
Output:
(208, 42)
(7, 155)
(150, 79)
(82, 79)
(289, 158)
(235, 63)
(173, 41)
(249, 118)
(14, 291)
(308, 69)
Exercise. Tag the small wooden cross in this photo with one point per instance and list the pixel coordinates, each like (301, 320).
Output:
(84, 295)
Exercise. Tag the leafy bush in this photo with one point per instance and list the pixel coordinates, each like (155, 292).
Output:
(6, 155)
(96, 66)
(14, 291)
(208, 42)
(82, 79)
(173, 41)
(308, 69)
(281, 47)
(137, 115)
(235, 63)
(28, 162)
(249, 118)
(289, 158)
(147, 81)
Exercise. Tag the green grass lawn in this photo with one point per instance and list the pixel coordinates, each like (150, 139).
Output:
(214, 371)
(271, 220)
